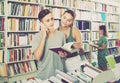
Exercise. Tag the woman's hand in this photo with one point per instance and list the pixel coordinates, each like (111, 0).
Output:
(77, 45)
(62, 54)
(44, 30)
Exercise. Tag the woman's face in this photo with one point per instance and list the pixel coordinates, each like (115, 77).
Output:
(100, 32)
(66, 20)
(48, 21)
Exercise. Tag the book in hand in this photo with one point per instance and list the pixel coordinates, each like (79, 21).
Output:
(94, 45)
(66, 48)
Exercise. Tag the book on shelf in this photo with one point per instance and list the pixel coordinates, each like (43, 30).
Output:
(3, 70)
(66, 48)
(2, 20)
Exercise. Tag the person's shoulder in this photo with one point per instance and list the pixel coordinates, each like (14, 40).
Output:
(104, 38)
(75, 28)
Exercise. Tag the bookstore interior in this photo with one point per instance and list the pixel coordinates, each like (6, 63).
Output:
(19, 24)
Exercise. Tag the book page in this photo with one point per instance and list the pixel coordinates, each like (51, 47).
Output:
(90, 72)
(68, 46)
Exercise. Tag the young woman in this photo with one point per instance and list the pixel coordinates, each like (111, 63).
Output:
(72, 34)
(48, 37)
(102, 49)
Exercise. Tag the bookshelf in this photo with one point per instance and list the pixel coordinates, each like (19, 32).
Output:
(105, 13)
(2, 41)
(20, 23)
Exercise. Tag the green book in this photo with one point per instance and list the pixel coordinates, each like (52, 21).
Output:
(111, 61)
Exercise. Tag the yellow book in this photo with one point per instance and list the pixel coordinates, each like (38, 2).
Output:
(118, 35)
(111, 61)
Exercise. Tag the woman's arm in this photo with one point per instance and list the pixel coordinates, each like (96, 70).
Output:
(102, 47)
(78, 38)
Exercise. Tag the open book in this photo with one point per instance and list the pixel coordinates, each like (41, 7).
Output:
(67, 48)
(94, 45)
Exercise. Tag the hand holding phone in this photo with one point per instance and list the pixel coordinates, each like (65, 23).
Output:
(43, 29)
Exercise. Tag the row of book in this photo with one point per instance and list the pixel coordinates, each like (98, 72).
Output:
(113, 51)
(100, 7)
(24, 9)
(80, 4)
(112, 43)
(95, 35)
(20, 54)
(112, 35)
(7, 70)
(2, 23)
(87, 15)
(83, 4)
(22, 24)
(57, 12)
(2, 8)
(19, 39)
(75, 76)
(83, 25)
(20, 68)
(113, 26)
(95, 6)
(85, 36)
(113, 18)
(68, 3)
(33, 1)
(99, 16)
(113, 9)
(83, 15)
